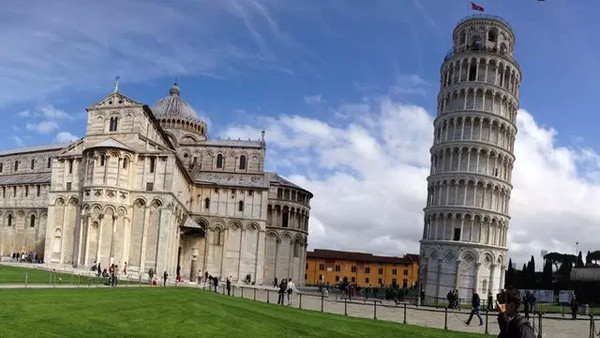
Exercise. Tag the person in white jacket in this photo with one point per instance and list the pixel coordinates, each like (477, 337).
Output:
(291, 289)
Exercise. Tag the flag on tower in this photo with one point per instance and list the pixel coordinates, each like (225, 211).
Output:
(476, 7)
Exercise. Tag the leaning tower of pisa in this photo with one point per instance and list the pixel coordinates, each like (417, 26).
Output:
(467, 213)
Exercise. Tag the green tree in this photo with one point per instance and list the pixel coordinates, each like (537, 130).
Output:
(547, 274)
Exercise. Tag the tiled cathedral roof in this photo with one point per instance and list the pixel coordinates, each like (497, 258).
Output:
(33, 149)
(25, 178)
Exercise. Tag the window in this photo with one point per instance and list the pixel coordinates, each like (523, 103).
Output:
(68, 186)
(367, 270)
(1, 167)
(463, 37)
(70, 166)
(219, 161)
(218, 233)
(472, 72)
(38, 190)
(337, 278)
(493, 35)
(26, 191)
(406, 272)
(10, 220)
(152, 164)
(367, 280)
(14, 191)
(321, 267)
(404, 283)
(456, 236)
(49, 162)
(353, 279)
(380, 281)
(321, 277)
(337, 268)
(206, 203)
(3, 191)
(353, 269)
(394, 282)
(279, 193)
(305, 277)
(394, 272)
(243, 162)
(285, 220)
(16, 165)
(102, 159)
(149, 186)
(380, 271)
(249, 192)
(306, 266)
(241, 206)
(32, 221)
(32, 164)
(113, 123)
(125, 160)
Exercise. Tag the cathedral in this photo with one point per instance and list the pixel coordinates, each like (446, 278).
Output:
(146, 186)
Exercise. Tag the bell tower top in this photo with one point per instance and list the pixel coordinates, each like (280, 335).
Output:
(484, 33)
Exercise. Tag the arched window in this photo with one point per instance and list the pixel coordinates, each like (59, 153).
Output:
(70, 166)
(125, 163)
(1, 167)
(463, 37)
(241, 206)
(32, 164)
(243, 162)
(102, 159)
(16, 165)
(219, 161)
(113, 123)
(493, 35)
(49, 162)
(206, 203)
(476, 43)
(217, 238)
(152, 164)
(9, 221)
(32, 221)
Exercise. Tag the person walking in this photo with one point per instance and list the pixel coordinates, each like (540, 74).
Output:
(125, 269)
(115, 280)
(216, 283)
(291, 288)
(151, 275)
(574, 306)
(511, 324)
(526, 304)
(199, 276)
(475, 308)
(165, 277)
(178, 276)
(422, 297)
(275, 284)
(282, 287)
(228, 281)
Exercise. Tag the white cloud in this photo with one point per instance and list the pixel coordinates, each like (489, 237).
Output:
(24, 113)
(43, 127)
(411, 84)
(65, 137)
(369, 180)
(18, 141)
(52, 113)
(312, 99)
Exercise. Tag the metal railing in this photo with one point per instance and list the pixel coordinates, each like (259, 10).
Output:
(484, 17)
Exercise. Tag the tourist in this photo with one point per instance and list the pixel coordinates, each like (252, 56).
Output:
(532, 301)
(216, 283)
(165, 277)
(526, 303)
(574, 306)
(178, 275)
(275, 283)
(151, 276)
(291, 288)
(511, 324)
(199, 276)
(99, 269)
(228, 281)
(422, 296)
(450, 297)
(125, 269)
(115, 277)
(475, 308)
(490, 301)
(282, 287)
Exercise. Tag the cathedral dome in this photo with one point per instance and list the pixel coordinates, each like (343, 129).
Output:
(173, 107)
(179, 118)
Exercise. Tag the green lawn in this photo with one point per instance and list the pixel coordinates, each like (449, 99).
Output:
(177, 312)
(16, 275)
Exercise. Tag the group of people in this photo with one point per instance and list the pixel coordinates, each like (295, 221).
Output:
(453, 301)
(152, 277)
(23, 257)
(528, 303)
(286, 286)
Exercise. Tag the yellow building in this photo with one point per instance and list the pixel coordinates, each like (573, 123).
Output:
(363, 269)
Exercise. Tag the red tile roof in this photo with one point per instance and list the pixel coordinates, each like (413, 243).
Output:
(361, 256)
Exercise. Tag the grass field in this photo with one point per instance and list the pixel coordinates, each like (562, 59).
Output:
(177, 312)
(16, 275)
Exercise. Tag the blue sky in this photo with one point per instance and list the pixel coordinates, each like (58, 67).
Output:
(322, 78)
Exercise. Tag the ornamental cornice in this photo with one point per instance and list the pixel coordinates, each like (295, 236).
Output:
(468, 176)
(474, 113)
(478, 54)
(469, 144)
(457, 209)
(476, 85)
